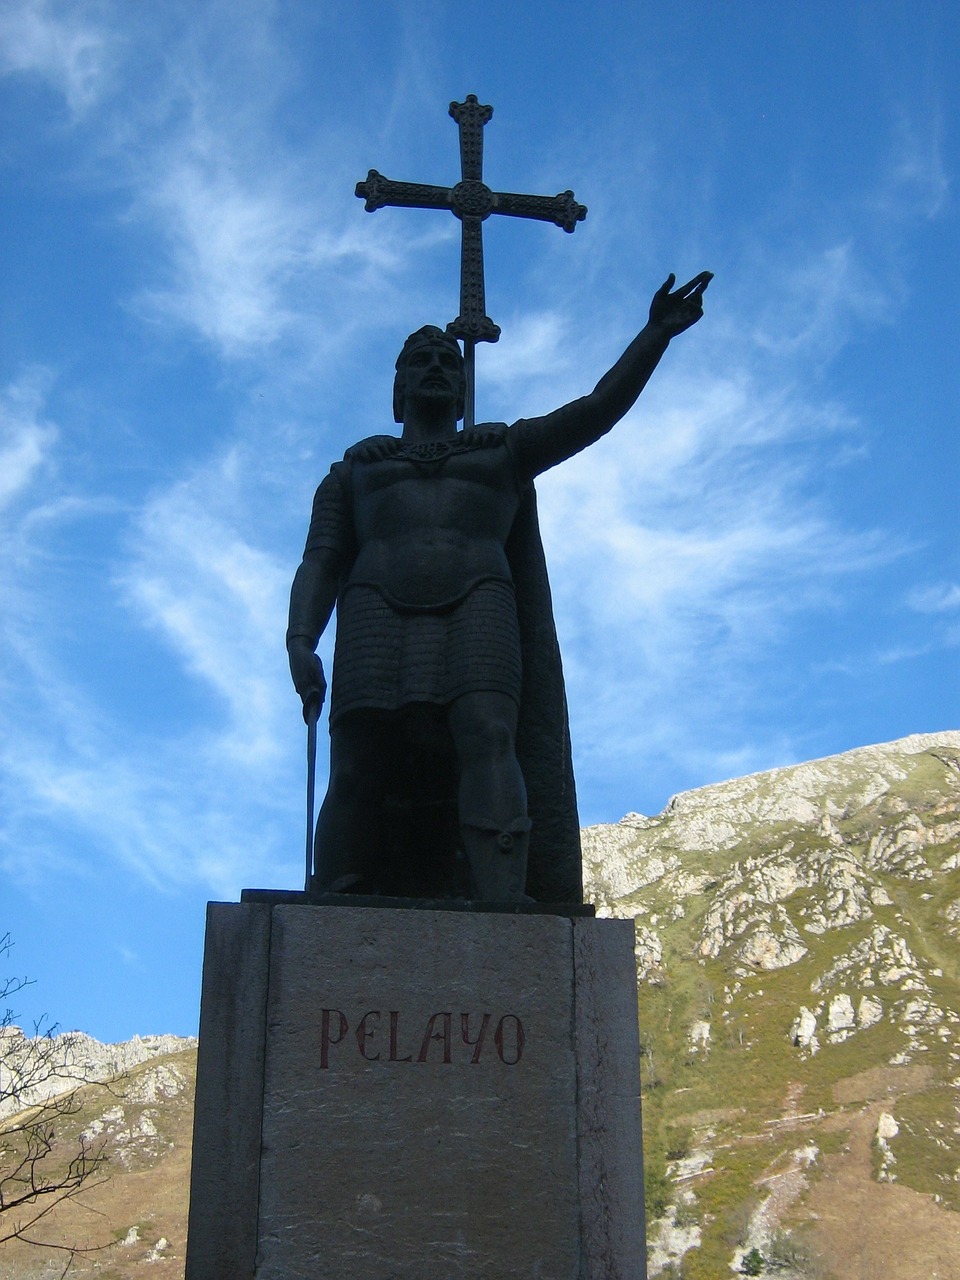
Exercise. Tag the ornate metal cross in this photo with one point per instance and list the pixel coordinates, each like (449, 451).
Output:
(472, 201)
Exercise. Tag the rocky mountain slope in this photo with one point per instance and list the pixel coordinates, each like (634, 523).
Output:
(34, 1069)
(139, 1108)
(799, 995)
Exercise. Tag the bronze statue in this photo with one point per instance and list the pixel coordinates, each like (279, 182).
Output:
(449, 765)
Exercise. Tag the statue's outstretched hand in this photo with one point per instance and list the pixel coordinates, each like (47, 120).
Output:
(307, 671)
(674, 312)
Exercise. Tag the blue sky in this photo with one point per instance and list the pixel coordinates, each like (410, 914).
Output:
(760, 565)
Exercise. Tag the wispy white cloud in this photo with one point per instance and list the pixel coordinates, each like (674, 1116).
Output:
(894, 654)
(938, 597)
(163, 810)
(192, 804)
(231, 251)
(536, 348)
(29, 491)
(917, 181)
(260, 244)
(244, 244)
(847, 271)
(814, 300)
(705, 530)
(61, 43)
(26, 439)
(218, 600)
(938, 604)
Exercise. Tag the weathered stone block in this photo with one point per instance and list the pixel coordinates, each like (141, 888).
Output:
(438, 1094)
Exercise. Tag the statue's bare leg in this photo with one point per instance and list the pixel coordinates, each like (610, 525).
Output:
(492, 797)
(347, 845)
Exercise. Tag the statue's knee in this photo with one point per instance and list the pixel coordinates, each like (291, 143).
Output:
(487, 738)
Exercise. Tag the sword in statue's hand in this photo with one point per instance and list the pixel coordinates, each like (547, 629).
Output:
(311, 714)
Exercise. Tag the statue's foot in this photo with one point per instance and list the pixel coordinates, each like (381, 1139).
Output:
(354, 884)
(498, 859)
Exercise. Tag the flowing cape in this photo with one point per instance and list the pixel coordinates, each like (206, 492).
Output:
(543, 733)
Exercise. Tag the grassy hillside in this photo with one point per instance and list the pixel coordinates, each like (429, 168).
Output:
(799, 1007)
(133, 1218)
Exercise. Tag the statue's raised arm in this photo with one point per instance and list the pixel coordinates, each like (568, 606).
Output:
(543, 442)
(670, 314)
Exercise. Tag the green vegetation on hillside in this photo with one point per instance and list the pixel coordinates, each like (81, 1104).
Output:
(827, 887)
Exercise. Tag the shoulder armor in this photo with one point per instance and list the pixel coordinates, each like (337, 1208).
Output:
(372, 448)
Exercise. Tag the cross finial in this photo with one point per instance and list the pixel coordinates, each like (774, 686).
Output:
(472, 201)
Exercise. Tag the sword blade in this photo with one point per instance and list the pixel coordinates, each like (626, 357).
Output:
(313, 712)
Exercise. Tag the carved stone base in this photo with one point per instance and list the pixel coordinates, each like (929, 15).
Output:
(392, 1094)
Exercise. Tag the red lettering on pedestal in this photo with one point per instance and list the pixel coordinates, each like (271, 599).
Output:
(509, 1037)
(509, 1056)
(440, 1036)
(326, 1040)
(365, 1033)
(394, 1021)
(465, 1033)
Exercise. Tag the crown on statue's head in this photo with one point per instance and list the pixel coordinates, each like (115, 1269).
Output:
(428, 335)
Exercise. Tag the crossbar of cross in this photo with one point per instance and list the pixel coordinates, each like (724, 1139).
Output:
(472, 201)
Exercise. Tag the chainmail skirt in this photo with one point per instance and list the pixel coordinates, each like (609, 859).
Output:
(385, 659)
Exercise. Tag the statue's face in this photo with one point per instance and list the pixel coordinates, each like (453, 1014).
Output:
(434, 373)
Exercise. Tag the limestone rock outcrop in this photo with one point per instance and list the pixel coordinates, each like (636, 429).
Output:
(796, 931)
(34, 1068)
(763, 867)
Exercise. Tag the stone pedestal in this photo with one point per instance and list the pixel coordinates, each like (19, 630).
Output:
(407, 1095)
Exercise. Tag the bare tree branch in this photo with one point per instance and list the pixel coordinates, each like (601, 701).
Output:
(39, 1092)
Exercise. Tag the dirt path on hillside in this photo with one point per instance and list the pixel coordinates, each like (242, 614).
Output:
(869, 1229)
